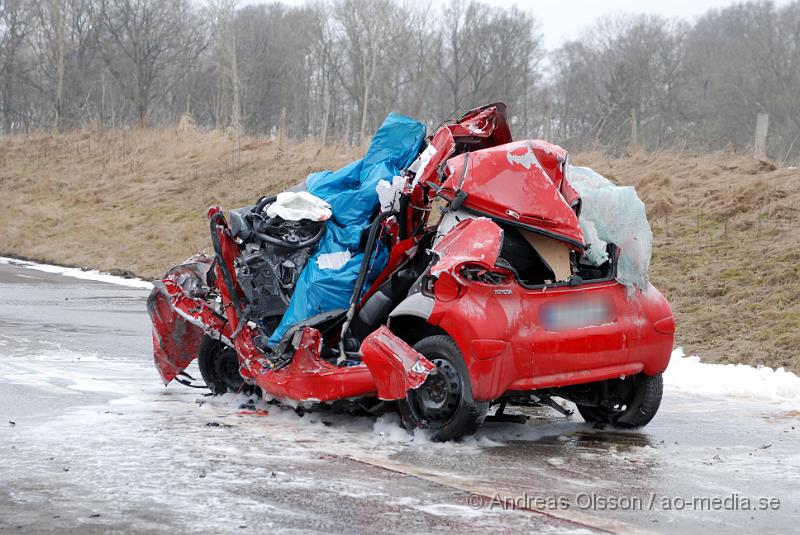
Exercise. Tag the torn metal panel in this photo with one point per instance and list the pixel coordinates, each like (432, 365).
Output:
(175, 340)
(509, 183)
(310, 378)
(395, 366)
(474, 241)
(489, 122)
(177, 335)
(439, 149)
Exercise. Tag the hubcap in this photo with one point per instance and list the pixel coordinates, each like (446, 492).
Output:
(437, 400)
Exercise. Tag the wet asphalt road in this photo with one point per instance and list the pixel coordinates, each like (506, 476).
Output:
(98, 445)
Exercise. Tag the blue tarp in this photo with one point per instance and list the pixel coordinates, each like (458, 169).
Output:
(351, 193)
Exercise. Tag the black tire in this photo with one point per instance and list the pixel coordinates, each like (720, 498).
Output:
(219, 366)
(443, 404)
(634, 402)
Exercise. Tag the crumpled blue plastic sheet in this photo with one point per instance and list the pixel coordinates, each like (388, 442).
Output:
(351, 193)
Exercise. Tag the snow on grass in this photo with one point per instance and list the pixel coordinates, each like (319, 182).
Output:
(76, 273)
(740, 381)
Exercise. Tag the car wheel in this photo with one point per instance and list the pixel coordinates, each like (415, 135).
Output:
(219, 366)
(443, 404)
(631, 402)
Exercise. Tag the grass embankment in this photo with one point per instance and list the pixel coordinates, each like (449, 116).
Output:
(726, 251)
(135, 200)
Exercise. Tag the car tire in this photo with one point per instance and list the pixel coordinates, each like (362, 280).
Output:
(640, 405)
(219, 366)
(443, 404)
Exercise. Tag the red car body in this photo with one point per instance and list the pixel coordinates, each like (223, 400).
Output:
(514, 337)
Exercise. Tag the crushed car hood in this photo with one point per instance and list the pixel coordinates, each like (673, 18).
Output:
(509, 182)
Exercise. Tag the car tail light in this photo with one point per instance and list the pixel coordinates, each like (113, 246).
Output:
(447, 287)
(665, 326)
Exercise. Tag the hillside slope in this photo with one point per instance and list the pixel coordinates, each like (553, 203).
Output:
(135, 200)
(726, 250)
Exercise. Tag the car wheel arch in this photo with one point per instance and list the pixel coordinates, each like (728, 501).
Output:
(412, 328)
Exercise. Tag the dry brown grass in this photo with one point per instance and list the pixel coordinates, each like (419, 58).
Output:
(136, 200)
(726, 250)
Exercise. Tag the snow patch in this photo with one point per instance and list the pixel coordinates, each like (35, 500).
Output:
(526, 160)
(388, 428)
(688, 374)
(67, 372)
(421, 163)
(77, 273)
(449, 510)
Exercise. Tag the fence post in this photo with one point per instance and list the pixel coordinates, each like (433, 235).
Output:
(324, 125)
(548, 125)
(281, 127)
(634, 134)
(760, 144)
(347, 127)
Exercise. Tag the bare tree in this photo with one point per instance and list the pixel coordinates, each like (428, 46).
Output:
(48, 44)
(372, 32)
(223, 13)
(620, 68)
(456, 54)
(334, 68)
(15, 25)
(741, 61)
(150, 38)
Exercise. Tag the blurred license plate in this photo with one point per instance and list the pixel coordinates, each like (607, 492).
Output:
(575, 313)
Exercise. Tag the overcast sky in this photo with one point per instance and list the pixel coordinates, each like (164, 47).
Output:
(561, 20)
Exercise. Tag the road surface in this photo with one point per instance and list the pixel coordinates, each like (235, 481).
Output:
(91, 442)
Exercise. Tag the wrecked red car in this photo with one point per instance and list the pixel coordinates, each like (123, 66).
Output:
(439, 276)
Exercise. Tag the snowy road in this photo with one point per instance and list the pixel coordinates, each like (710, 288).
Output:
(90, 442)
